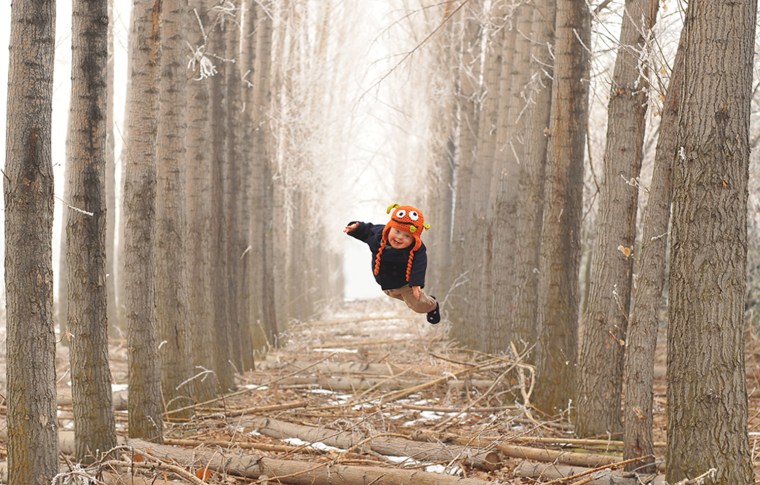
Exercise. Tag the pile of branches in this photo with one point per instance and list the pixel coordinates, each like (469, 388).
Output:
(342, 403)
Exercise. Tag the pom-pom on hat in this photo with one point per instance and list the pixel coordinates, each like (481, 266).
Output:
(408, 219)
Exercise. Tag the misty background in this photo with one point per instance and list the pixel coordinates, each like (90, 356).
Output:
(383, 134)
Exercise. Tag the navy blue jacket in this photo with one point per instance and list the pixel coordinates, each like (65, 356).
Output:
(393, 262)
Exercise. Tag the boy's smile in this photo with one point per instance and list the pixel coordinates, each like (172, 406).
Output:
(399, 239)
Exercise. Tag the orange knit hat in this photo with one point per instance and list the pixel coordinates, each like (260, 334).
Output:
(408, 219)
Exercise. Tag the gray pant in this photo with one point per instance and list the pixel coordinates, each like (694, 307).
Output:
(424, 305)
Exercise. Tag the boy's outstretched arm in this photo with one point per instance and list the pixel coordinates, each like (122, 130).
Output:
(350, 227)
(360, 230)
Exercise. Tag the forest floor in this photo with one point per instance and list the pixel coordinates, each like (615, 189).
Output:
(375, 395)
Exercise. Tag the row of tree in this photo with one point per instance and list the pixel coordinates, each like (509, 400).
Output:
(511, 147)
(210, 258)
(199, 261)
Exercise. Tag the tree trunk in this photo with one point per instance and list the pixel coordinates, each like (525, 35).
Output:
(707, 396)
(600, 369)
(444, 146)
(243, 229)
(468, 109)
(171, 275)
(85, 233)
(650, 280)
(478, 292)
(253, 259)
(139, 210)
(242, 350)
(198, 196)
(531, 173)
(28, 189)
(560, 237)
(218, 244)
(111, 263)
(510, 136)
(263, 227)
(61, 302)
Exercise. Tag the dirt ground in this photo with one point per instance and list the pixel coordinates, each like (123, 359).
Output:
(398, 387)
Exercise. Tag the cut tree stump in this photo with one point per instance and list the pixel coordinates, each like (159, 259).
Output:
(385, 445)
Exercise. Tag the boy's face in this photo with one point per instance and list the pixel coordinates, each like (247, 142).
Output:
(399, 239)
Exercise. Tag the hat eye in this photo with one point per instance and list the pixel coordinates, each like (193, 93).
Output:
(413, 215)
(400, 213)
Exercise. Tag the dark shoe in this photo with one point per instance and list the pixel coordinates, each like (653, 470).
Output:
(435, 315)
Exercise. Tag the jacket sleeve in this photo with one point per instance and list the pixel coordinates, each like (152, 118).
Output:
(362, 232)
(419, 267)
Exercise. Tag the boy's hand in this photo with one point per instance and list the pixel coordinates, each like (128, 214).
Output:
(351, 227)
(416, 292)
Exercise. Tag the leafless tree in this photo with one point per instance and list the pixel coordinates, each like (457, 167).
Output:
(95, 431)
(600, 369)
(560, 236)
(28, 189)
(707, 396)
(468, 109)
(139, 212)
(641, 341)
(171, 275)
(198, 194)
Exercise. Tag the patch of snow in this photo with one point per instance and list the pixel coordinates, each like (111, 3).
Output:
(340, 399)
(432, 415)
(402, 459)
(119, 387)
(321, 391)
(359, 407)
(256, 387)
(337, 351)
(454, 471)
(317, 445)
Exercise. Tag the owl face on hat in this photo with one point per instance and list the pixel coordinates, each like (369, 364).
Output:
(408, 219)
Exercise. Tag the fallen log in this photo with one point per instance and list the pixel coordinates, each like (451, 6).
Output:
(591, 460)
(386, 370)
(576, 459)
(347, 383)
(266, 409)
(385, 445)
(351, 344)
(352, 383)
(439, 409)
(578, 443)
(551, 472)
(296, 472)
